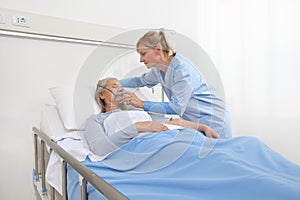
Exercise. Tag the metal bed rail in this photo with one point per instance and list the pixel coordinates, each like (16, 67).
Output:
(87, 175)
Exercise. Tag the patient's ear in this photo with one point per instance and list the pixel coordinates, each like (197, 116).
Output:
(101, 96)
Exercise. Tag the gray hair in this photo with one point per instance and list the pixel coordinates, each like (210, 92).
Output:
(100, 88)
(152, 38)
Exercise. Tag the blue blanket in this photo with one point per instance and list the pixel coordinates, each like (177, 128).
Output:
(183, 164)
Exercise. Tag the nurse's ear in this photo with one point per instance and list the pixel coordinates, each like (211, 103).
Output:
(158, 48)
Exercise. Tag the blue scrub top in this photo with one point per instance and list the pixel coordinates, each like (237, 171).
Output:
(190, 95)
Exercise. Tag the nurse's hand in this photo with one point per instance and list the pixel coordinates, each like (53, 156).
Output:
(133, 100)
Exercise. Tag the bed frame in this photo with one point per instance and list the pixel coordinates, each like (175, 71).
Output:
(41, 156)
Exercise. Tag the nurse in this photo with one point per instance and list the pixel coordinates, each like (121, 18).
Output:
(190, 96)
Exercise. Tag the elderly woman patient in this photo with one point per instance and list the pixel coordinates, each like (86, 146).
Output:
(115, 126)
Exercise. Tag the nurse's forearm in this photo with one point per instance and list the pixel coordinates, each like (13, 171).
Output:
(131, 82)
(158, 107)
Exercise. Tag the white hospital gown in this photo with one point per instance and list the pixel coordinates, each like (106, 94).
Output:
(106, 132)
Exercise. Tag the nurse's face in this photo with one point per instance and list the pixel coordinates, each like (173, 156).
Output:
(149, 56)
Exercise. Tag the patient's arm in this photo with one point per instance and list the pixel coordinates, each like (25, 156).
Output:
(96, 138)
(209, 132)
(150, 126)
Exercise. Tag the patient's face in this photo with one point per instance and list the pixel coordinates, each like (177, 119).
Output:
(106, 95)
(113, 85)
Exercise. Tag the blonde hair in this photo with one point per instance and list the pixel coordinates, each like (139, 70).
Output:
(99, 88)
(152, 38)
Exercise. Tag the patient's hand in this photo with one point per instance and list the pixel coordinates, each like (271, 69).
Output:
(150, 126)
(209, 132)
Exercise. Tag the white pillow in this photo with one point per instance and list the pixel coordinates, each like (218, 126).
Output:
(52, 125)
(50, 121)
(74, 113)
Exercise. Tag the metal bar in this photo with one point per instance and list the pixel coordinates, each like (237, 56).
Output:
(36, 157)
(52, 193)
(84, 189)
(162, 95)
(63, 39)
(64, 169)
(100, 184)
(43, 168)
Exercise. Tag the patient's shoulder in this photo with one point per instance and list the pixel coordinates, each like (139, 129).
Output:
(97, 117)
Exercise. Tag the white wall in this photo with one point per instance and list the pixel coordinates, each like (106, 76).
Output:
(28, 68)
(131, 14)
(254, 44)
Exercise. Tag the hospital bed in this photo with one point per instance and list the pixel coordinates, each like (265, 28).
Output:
(177, 164)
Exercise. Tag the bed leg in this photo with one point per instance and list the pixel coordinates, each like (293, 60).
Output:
(64, 180)
(43, 166)
(52, 193)
(36, 158)
(83, 184)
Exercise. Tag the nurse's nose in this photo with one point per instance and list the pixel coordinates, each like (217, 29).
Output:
(142, 59)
